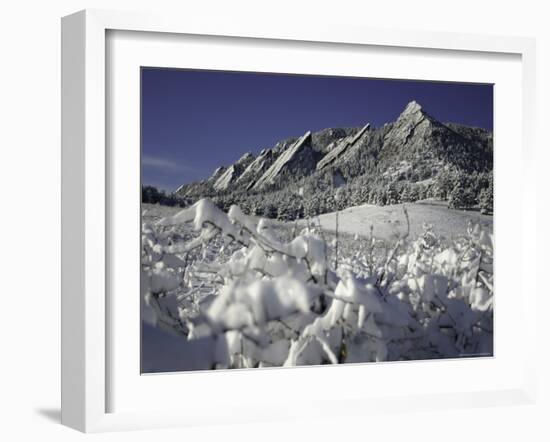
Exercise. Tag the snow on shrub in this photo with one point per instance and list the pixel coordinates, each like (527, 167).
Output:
(270, 302)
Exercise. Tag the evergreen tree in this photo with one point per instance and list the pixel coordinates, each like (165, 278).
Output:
(406, 194)
(461, 197)
(392, 194)
(486, 200)
(270, 211)
(415, 193)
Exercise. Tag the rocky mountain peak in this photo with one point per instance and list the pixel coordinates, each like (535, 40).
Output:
(342, 148)
(413, 122)
(295, 161)
(218, 172)
(247, 157)
(413, 108)
(366, 153)
(232, 173)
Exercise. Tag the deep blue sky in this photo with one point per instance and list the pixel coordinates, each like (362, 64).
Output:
(194, 121)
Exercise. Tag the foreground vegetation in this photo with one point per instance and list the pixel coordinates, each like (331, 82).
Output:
(253, 294)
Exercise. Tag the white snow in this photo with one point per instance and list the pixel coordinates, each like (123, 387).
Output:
(246, 298)
(389, 221)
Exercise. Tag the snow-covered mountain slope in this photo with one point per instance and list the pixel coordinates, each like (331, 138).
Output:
(341, 148)
(417, 136)
(257, 167)
(233, 172)
(413, 120)
(299, 159)
(324, 140)
(416, 143)
(219, 171)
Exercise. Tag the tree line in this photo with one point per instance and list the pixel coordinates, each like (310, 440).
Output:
(308, 198)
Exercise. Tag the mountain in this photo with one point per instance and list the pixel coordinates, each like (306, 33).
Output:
(289, 159)
(324, 140)
(415, 148)
(233, 172)
(341, 148)
(418, 136)
(294, 163)
(257, 167)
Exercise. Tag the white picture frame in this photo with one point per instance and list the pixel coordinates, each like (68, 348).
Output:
(85, 236)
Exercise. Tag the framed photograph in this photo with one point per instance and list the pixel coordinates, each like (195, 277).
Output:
(276, 221)
(353, 241)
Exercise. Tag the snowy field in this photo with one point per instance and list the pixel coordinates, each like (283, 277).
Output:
(388, 222)
(227, 290)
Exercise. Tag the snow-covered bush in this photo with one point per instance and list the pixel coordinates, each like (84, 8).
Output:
(266, 301)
